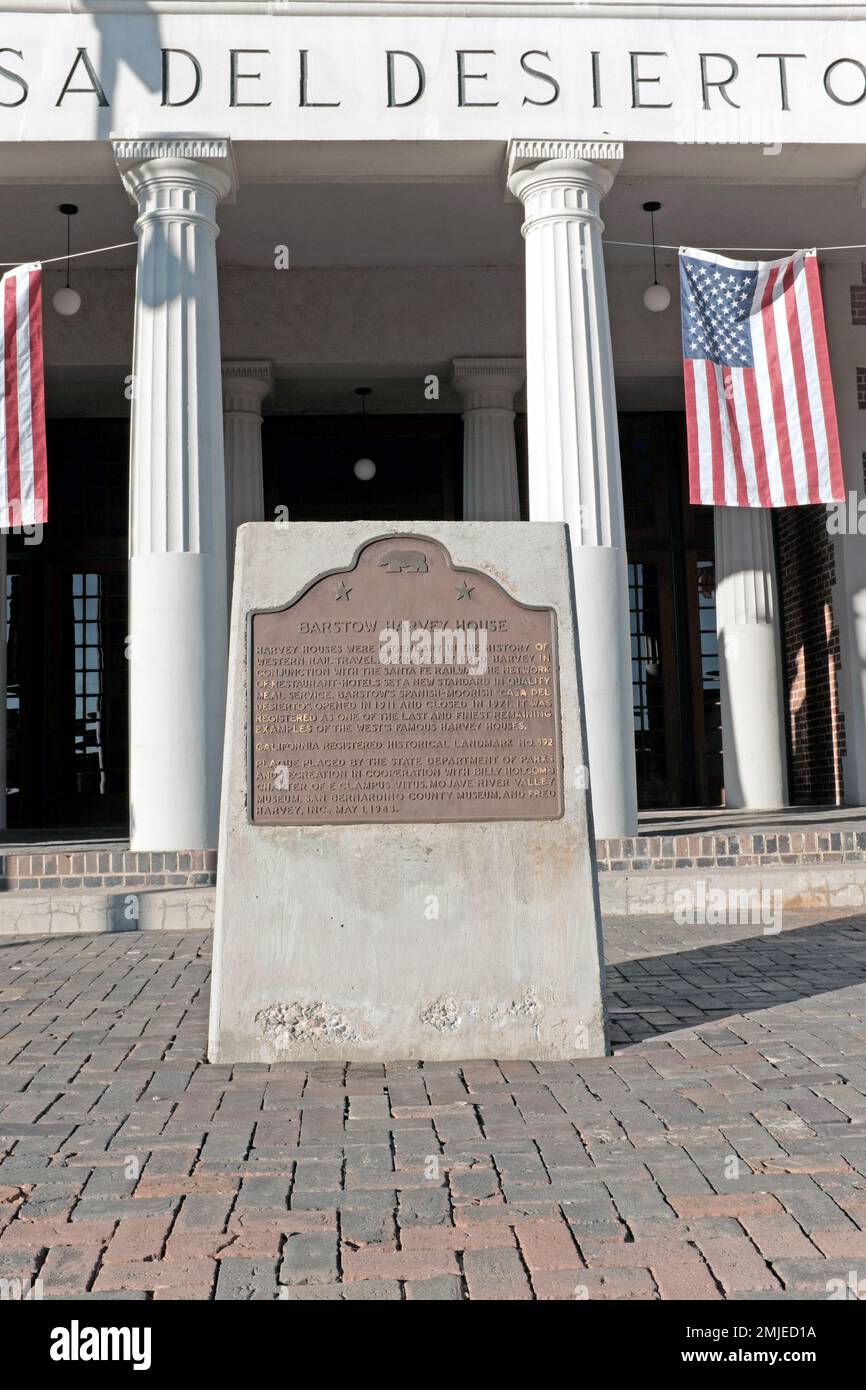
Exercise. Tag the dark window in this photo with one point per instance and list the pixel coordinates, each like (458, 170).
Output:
(99, 610)
(309, 467)
(67, 622)
(647, 683)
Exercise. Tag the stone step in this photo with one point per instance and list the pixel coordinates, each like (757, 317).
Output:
(33, 912)
(651, 892)
(643, 893)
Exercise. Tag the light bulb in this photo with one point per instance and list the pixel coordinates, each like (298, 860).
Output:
(365, 469)
(66, 301)
(657, 298)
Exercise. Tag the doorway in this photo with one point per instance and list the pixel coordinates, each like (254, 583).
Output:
(674, 652)
(66, 622)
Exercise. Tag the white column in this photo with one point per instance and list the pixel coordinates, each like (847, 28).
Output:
(177, 529)
(574, 468)
(245, 385)
(750, 660)
(488, 386)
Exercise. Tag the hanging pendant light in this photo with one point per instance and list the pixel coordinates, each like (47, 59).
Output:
(364, 468)
(656, 297)
(67, 301)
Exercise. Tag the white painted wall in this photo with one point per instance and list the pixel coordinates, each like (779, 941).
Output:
(346, 319)
(326, 318)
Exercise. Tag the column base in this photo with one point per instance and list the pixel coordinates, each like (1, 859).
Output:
(176, 700)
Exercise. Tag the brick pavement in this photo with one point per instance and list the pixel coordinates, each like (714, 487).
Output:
(720, 1153)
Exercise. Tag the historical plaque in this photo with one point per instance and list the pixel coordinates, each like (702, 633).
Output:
(405, 854)
(404, 689)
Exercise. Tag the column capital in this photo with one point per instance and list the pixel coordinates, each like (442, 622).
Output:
(588, 162)
(245, 385)
(488, 383)
(559, 180)
(146, 162)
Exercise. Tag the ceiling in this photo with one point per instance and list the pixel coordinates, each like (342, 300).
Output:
(710, 196)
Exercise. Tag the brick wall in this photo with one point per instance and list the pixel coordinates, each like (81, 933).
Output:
(102, 869)
(858, 301)
(816, 724)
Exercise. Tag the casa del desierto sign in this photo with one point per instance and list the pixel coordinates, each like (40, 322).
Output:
(431, 77)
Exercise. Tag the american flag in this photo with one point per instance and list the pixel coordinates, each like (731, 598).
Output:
(23, 467)
(760, 411)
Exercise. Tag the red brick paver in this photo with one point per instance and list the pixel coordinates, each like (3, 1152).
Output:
(720, 1152)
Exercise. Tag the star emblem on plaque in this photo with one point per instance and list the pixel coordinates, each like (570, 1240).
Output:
(466, 590)
(343, 590)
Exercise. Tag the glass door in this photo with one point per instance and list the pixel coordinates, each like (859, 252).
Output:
(67, 624)
(673, 618)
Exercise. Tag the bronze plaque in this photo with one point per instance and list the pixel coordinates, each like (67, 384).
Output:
(403, 689)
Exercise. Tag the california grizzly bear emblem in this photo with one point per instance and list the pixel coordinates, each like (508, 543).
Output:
(399, 560)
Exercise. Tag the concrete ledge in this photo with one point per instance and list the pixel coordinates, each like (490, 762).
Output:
(640, 894)
(34, 913)
(652, 893)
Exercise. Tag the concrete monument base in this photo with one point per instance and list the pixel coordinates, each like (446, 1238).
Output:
(437, 940)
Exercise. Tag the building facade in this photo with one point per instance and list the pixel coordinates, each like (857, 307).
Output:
(444, 204)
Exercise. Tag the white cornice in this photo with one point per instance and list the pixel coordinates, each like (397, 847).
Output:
(522, 153)
(499, 9)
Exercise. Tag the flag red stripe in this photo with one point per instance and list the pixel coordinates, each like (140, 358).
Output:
(736, 446)
(777, 391)
(756, 434)
(714, 411)
(800, 385)
(822, 358)
(37, 398)
(692, 433)
(10, 377)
